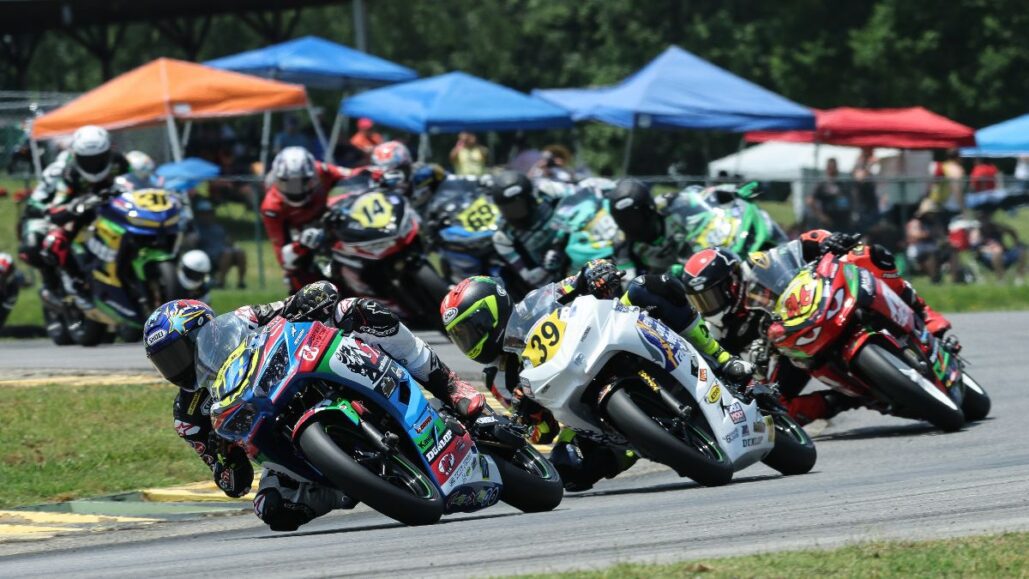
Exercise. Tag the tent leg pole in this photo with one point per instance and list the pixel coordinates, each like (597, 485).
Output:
(337, 126)
(37, 163)
(739, 156)
(318, 130)
(628, 149)
(173, 137)
(186, 132)
(423, 147)
(266, 137)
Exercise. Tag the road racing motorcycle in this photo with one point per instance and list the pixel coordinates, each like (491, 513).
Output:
(851, 331)
(588, 230)
(129, 256)
(621, 378)
(320, 406)
(376, 251)
(731, 219)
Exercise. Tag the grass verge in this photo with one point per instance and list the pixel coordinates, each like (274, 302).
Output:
(64, 442)
(986, 556)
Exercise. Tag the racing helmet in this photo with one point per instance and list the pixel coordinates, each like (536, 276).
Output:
(194, 269)
(91, 153)
(6, 265)
(169, 335)
(475, 315)
(140, 165)
(425, 180)
(295, 176)
(713, 281)
(515, 198)
(393, 160)
(634, 210)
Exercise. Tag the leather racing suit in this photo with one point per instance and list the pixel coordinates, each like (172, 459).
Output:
(674, 246)
(525, 249)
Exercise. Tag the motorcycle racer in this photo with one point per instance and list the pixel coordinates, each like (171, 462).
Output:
(281, 502)
(63, 202)
(527, 237)
(296, 198)
(475, 314)
(11, 282)
(717, 281)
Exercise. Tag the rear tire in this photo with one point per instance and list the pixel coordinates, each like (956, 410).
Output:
(56, 328)
(531, 483)
(794, 451)
(976, 404)
(660, 445)
(84, 331)
(358, 482)
(908, 388)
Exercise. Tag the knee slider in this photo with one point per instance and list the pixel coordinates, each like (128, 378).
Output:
(278, 513)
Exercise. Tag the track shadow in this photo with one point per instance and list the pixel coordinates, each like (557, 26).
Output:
(892, 431)
(378, 527)
(664, 488)
(22, 332)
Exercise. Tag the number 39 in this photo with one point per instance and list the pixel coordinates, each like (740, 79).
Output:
(549, 332)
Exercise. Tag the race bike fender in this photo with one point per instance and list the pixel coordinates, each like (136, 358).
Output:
(852, 347)
(336, 410)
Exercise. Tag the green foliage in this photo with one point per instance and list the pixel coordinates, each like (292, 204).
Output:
(963, 58)
(987, 556)
(63, 442)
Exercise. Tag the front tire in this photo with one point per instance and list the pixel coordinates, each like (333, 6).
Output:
(531, 483)
(56, 328)
(976, 404)
(84, 331)
(908, 388)
(699, 459)
(794, 451)
(410, 498)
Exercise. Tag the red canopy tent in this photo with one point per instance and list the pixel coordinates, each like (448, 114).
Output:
(908, 128)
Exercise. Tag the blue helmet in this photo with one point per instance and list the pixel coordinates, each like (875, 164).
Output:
(170, 337)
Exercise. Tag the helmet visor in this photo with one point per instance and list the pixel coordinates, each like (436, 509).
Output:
(175, 363)
(710, 301)
(470, 332)
(516, 210)
(93, 164)
(296, 188)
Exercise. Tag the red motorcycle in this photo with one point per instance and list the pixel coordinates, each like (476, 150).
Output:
(851, 331)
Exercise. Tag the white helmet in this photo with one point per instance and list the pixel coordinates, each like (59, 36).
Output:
(91, 153)
(194, 269)
(293, 173)
(140, 165)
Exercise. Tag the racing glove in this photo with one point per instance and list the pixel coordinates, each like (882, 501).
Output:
(553, 260)
(232, 470)
(839, 243)
(737, 370)
(312, 237)
(600, 278)
(314, 302)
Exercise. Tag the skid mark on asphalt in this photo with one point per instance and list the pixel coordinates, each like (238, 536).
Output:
(37, 525)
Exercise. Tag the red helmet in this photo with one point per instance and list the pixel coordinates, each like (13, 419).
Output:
(475, 315)
(712, 278)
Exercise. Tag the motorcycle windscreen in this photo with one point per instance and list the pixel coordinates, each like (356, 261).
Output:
(771, 273)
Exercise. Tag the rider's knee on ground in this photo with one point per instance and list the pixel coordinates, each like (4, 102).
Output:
(278, 513)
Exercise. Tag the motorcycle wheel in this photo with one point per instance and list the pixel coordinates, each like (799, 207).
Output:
(401, 491)
(686, 447)
(794, 451)
(531, 483)
(129, 334)
(56, 328)
(976, 404)
(908, 388)
(84, 331)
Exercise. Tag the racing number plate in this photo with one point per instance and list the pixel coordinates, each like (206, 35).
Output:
(372, 210)
(480, 215)
(153, 200)
(545, 339)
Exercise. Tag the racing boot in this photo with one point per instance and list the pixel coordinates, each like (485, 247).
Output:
(823, 404)
(582, 463)
(78, 291)
(934, 321)
(444, 384)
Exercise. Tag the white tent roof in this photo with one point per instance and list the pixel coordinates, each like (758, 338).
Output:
(779, 161)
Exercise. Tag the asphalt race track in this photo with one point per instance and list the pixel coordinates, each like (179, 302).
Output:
(876, 477)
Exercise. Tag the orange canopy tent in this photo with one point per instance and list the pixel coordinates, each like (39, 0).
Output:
(165, 90)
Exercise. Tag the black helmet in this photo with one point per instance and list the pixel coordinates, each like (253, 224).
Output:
(634, 210)
(713, 283)
(515, 197)
(475, 315)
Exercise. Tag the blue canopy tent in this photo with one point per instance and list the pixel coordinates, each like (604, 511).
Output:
(316, 63)
(682, 91)
(455, 102)
(1007, 139)
(187, 174)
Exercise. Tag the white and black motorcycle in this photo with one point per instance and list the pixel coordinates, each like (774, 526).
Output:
(621, 378)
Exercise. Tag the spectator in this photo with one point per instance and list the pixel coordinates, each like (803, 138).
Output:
(866, 197)
(212, 238)
(555, 163)
(984, 176)
(468, 157)
(948, 189)
(291, 136)
(999, 247)
(922, 234)
(1022, 168)
(365, 139)
(831, 205)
